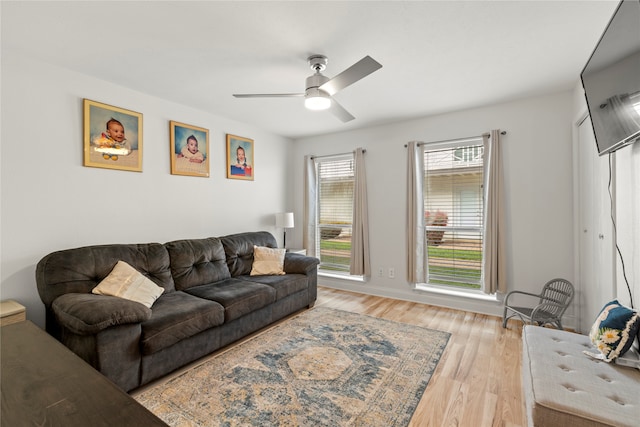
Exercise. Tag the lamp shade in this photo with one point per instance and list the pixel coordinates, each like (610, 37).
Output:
(284, 220)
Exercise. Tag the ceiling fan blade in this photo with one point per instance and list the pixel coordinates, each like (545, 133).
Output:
(357, 71)
(339, 111)
(266, 95)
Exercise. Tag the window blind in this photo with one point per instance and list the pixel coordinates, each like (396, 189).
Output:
(454, 212)
(335, 212)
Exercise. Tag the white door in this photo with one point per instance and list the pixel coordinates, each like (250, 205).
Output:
(596, 252)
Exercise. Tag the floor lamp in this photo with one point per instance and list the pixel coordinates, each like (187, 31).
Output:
(284, 220)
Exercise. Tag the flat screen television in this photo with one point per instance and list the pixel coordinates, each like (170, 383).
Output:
(611, 80)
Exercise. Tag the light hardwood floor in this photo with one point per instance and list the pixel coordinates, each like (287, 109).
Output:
(477, 381)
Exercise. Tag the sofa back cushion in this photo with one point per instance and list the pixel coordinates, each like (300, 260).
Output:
(239, 249)
(196, 262)
(79, 270)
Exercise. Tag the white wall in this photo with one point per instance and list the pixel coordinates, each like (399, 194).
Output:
(51, 202)
(538, 184)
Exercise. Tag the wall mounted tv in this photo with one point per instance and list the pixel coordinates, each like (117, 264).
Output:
(611, 80)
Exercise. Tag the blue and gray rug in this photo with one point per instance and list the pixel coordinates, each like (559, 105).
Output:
(324, 367)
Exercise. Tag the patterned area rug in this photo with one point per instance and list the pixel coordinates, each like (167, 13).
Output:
(324, 367)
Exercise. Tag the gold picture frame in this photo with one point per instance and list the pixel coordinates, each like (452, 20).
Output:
(240, 160)
(112, 137)
(189, 149)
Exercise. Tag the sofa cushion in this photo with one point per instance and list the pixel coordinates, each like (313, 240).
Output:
(614, 330)
(267, 261)
(238, 297)
(87, 314)
(196, 262)
(284, 285)
(176, 316)
(239, 250)
(128, 283)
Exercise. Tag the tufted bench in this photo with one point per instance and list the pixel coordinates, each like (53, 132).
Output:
(564, 387)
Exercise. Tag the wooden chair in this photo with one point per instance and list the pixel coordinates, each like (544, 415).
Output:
(552, 302)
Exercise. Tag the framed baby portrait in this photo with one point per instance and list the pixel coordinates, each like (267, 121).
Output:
(189, 147)
(112, 137)
(240, 160)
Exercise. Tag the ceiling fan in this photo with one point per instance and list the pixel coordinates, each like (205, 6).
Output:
(320, 88)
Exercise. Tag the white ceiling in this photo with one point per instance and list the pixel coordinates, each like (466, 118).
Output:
(437, 56)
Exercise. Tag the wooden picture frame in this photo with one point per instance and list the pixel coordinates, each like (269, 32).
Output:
(189, 149)
(237, 166)
(112, 137)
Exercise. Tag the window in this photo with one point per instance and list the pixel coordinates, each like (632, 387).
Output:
(335, 180)
(454, 212)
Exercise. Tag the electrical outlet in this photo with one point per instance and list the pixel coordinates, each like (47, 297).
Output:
(392, 272)
(381, 272)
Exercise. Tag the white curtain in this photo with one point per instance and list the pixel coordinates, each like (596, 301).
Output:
(415, 215)
(360, 264)
(310, 206)
(494, 279)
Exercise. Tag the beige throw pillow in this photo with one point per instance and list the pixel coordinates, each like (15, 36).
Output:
(267, 261)
(126, 282)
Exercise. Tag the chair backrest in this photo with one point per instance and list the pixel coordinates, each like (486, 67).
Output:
(558, 291)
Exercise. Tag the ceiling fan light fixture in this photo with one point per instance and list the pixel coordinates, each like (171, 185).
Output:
(316, 99)
(320, 88)
(317, 103)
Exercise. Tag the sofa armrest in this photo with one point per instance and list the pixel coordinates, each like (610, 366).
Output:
(87, 314)
(299, 264)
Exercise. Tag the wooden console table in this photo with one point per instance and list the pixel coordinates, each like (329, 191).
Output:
(45, 384)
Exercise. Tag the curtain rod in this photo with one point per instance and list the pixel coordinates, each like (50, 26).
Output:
(333, 155)
(503, 132)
